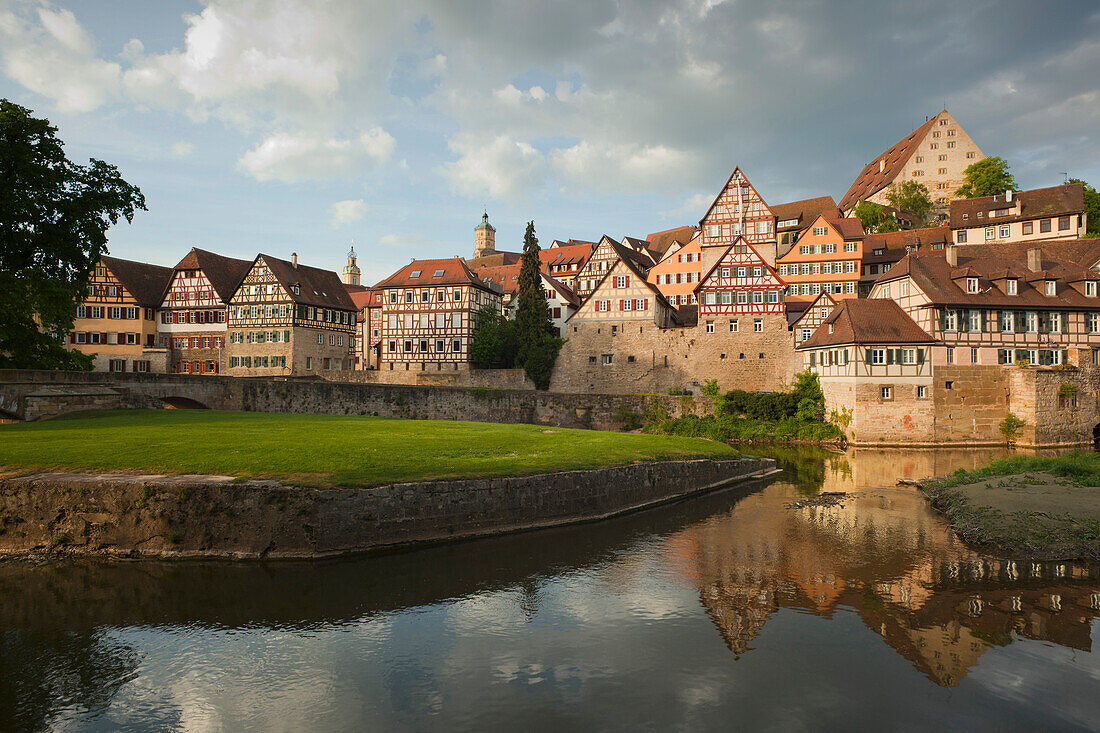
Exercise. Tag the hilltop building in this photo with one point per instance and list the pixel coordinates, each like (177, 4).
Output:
(1037, 215)
(936, 154)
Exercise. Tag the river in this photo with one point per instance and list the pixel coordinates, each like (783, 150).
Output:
(744, 609)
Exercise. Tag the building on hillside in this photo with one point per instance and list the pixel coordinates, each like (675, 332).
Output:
(999, 304)
(352, 272)
(1037, 215)
(805, 321)
(826, 259)
(737, 211)
(116, 321)
(287, 319)
(368, 329)
(741, 290)
(560, 299)
(875, 366)
(194, 313)
(604, 256)
(883, 251)
(679, 273)
(935, 154)
(792, 219)
(663, 243)
(430, 312)
(564, 261)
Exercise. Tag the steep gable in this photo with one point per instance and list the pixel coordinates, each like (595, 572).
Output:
(737, 211)
(740, 282)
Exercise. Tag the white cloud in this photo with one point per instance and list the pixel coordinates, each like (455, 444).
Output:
(56, 58)
(693, 207)
(403, 240)
(291, 158)
(621, 166)
(346, 212)
(182, 149)
(500, 167)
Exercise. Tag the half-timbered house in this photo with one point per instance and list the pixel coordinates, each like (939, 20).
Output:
(194, 314)
(429, 314)
(116, 321)
(678, 274)
(604, 256)
(737, 211)
(806, 321)
(826, 259)
(740, 285)
(289, 319)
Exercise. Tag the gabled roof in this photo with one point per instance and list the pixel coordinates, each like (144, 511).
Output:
(145, 282)
(1037, 203)
(563, 290)
(867, 321)
(641, 246)
(639, 273)
(850, 228)
(804, 211)
(224, 273)
(452, 271)
(363, 298)
(894, 245)
(660, 242)
(317, 287)
(871, 180)
(505, 277)
(566, 254)
(1085, 252)
(809, 306)
(932, 273)
(740, 240)
(723, 190)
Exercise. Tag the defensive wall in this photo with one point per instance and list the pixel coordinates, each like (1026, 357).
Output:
(196, 516)
(34, 395)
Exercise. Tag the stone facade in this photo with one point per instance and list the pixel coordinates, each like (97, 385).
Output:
(650, 360)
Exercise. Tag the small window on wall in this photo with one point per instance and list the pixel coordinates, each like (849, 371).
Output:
(607, 359)
(921, 392)
(887, 393)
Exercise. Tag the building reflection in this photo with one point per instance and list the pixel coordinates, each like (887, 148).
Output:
(884, 555)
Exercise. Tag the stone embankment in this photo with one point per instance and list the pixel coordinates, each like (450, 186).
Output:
(218, 516)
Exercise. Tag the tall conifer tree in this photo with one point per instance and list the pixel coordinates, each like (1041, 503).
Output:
(532, 313)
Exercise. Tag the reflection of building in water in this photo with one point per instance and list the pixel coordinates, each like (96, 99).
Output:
(886, 556)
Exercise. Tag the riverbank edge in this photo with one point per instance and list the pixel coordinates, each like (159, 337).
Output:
(219, 517)
(1016, 535)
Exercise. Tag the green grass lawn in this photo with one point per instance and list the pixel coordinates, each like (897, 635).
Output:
(322, 450)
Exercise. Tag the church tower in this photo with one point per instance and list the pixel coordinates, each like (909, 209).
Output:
(351, 270)
(485, 238)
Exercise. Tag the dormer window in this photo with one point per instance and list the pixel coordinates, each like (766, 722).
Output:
(437, 273)
(971, 284)
(414, 273)
(966, 216)
(1052, 288)
(979, 215)
(830, 328)
(1010, 286)
(297, 289)
(1090, 289)
(879, 252)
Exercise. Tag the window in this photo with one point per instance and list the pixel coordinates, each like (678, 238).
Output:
(1051, 288)
(1044, 225)
(819, 231)
(757, 325)
(951, 144)
(1063, 223)
(921, 392)
(970, 155)
(849, 246)
(733, 323)
(1032, 320)
(439, 346)
(990, 232)
(950, 320)
(1008, 322)
(620, 281)
(950, 357)
(1010, 286)
(710, 326)
(1028, 227)
(1004, 231)
(456, 345)
(878, 356)
(804, 250)
(607, 359)
(974, 320)
(887, 393)
(971, 284)
(713, 230)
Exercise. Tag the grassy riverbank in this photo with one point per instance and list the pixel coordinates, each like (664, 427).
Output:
(745, 430)
(1027, 507)
(319, 450)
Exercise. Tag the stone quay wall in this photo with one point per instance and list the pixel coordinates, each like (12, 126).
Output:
(196, 516)
(473, 378)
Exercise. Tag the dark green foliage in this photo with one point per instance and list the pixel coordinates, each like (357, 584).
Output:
(54, 216)
(874, 218)
(804, 402)
(910, 196)
(1092, 208)
(540, 362)
(536, 345)
(629, 419)
(726, 428)
(986, 178)
(1010, 427)
(494, 343)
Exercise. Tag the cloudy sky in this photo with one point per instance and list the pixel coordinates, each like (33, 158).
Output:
(301, 125)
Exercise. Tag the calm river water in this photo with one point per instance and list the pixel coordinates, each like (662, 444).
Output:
(736, 610)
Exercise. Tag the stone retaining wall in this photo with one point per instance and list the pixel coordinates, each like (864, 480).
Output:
(196, 516)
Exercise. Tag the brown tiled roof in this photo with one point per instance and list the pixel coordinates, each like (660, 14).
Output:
(867, 321)
(801, 308)
(895, 244)
(496, 259)
(506, 277)
(1037, 203)
(453, 271)
(849, 227)
(1085, 252)
(564, 290)
(145, 282)
(224, 273)
(932, 274)
(641, 246)
(362, 298)
(566, 254)
(317, 287)
(871, 180)
(805, 211)
(659, 242)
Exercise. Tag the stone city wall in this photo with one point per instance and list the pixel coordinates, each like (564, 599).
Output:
(1058, 406)
(478, 378)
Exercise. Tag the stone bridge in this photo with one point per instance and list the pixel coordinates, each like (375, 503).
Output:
(35, 395)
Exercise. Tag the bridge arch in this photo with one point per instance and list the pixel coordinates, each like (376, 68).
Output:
(181, 403)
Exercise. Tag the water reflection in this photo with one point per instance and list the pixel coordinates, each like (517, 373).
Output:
(692, 615)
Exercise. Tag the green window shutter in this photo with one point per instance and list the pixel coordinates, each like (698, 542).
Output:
(867, 357)
(943, 319)
(920, 356)
(889, 356)
(813, 359)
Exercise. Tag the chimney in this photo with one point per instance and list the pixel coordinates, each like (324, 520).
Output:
(952, 254)
(294, 259)
(1008, 196)
(1035, 259)
(881, 164)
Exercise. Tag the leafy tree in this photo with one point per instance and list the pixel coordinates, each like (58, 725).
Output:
(493, 345)
(1010, 427)
(910, 196)
(986, 178)
(874, 218)
(54, 217)
(537, 346)
(1092, 208)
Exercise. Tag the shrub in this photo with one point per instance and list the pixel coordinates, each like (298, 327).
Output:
(628, 419)
(1010, 428)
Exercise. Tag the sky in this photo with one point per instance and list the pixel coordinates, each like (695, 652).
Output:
(282, 126)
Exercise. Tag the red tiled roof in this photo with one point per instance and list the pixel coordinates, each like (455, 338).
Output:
(224, 273)
(849, 228)
(659, 242)
(1037, 203)
(506, 277)
(566, 254)
(453, 271)
(317, 287)
(805, 211)
(867, 321)
(145, 282)
(871, 180)
(895, 244)
(362, 298)
(933, 275)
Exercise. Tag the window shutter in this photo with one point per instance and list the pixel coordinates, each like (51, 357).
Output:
(889, 356)
(645, 304)
(813, 359)
(867, 356)
(620, 303)
(984, 328)
(627, 281)
(943, 319)
(920, 356)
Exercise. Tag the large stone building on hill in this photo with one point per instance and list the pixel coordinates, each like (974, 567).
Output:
(936, 154)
